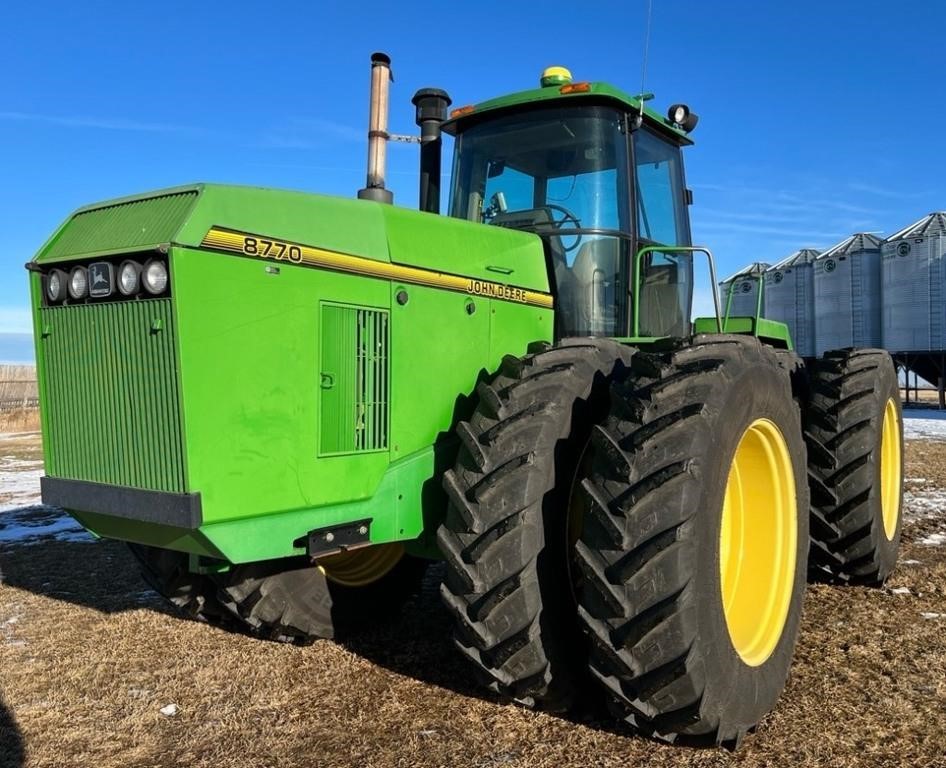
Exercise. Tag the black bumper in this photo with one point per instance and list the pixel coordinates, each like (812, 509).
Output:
(181, 510)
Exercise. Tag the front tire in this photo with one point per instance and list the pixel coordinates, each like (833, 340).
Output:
(694, 546)
(290, 600)
(166, 572)
(295, 601)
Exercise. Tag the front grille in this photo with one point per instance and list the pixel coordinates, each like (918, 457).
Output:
(111, 399)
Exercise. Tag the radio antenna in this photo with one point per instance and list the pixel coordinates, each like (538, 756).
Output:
(650, 9)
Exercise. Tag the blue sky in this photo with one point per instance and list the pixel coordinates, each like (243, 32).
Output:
(817, 118)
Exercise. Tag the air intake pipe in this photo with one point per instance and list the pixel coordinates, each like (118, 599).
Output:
(431, 106)
(381, 78)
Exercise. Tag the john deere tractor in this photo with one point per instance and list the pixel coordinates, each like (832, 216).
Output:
(289, 404)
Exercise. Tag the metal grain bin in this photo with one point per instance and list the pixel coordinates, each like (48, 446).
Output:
(847, 294)
(745, 284)
(790, 298)
(914, 286)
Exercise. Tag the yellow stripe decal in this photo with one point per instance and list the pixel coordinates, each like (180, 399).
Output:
(279, 250)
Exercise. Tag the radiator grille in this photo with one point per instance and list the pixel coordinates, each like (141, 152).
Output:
(123, 227)
(111, 401)
(354, 380)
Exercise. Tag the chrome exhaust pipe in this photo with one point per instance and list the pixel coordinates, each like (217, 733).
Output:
(378, 135)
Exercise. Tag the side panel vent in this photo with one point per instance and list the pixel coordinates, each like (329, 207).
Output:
(354, 380)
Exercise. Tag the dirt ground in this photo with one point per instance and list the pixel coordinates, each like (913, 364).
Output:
(89, 657)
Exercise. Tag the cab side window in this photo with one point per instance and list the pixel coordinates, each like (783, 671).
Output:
(661, 217)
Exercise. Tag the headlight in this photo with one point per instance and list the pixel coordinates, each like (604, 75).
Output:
(156, 276)
(78, 283)
(678, 113)
(56, 286)
(129, 278)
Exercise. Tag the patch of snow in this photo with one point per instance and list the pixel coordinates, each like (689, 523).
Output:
(16, 435)
(931, 615)
(23, 517)
(170, 710)
(901, 591)
(923, 504)
(910, 562)
(924, 424)
(934, 540)
(32, 525)
(19, 485)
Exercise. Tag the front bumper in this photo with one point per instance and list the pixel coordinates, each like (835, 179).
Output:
(177, 510)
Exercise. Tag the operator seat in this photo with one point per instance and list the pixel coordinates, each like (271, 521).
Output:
(596, 275)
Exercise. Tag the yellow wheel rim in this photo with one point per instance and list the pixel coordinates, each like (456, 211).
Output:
(758, 541)
(360, 567)
(890, 469)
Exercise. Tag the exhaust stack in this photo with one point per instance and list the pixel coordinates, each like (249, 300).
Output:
(381, 78)
(431, 106)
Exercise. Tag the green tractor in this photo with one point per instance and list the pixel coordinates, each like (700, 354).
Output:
(289, 404)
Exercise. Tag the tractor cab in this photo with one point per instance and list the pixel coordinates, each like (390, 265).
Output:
(582, 166)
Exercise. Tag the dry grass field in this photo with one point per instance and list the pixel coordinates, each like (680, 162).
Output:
(89, 657)
(18, 396)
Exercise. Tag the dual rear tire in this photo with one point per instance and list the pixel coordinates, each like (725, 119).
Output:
(684, 510)
(853, 428)
(654, 498)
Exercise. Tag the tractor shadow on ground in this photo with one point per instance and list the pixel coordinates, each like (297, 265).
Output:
(419, 644)
(96, 574)
(12, 750)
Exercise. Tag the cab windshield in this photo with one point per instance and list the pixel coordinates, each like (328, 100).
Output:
(563, 174)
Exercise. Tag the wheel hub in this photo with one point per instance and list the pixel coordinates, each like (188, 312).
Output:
(362, 566)
(890, 469)
(758, 542)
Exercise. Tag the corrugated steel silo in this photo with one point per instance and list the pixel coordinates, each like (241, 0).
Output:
(847, 294)
(790, 298)
(914, 286)
(746, 284)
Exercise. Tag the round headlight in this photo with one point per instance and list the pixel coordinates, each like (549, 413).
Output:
(129, 278)
(56, 286)
(156, 276)
(678, 113)
(78, 283)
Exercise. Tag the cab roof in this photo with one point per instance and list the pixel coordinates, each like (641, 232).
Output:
(597, 93)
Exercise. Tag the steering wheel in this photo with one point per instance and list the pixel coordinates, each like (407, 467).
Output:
(567, 218)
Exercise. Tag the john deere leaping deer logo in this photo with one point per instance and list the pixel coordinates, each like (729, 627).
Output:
(100, 279)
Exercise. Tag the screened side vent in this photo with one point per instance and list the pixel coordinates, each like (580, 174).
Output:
(354, 380)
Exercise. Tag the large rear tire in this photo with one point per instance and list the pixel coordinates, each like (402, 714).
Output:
(506, 533)
(853, 427)
(694, 544)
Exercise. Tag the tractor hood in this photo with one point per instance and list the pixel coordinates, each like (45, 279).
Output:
(186, 216)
